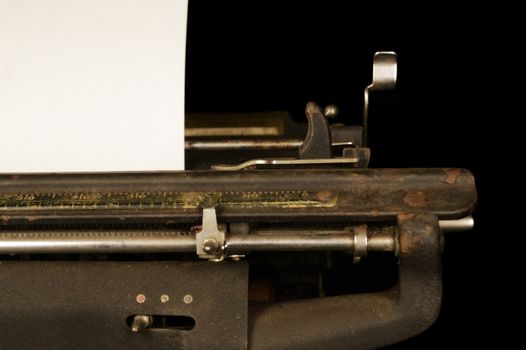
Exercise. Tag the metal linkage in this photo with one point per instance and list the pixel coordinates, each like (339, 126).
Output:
(286, 162)
(358, 239)
(61, 242)
(210, 241)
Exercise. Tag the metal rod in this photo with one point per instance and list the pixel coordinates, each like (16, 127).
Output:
(120, 241)
(67, 242)
(169, 241)
(381, 243)
(257, 243)
(251, 145)
(242, 144)
(460, 225)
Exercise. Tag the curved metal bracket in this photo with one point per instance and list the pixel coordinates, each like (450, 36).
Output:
(363, 321)
(317, 144)
(384, 78)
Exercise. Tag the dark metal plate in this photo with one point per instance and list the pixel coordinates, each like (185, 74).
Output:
(84, 305)
(244, 196)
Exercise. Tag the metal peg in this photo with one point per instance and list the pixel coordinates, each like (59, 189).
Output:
(140, 322)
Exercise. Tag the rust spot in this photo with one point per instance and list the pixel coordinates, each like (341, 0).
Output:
(409, 242)
(405, 244)
(196, 228)
(452, 176)
(324, 196)
(416, 199)
(405, 216)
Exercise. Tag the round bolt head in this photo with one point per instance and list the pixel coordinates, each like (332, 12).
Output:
(188, 299)
(141, 298)
(210, 245)
(331, 111)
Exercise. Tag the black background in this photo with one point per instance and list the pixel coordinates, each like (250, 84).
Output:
(265, 55)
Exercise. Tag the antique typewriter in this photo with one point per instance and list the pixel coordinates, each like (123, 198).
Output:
(277, 236)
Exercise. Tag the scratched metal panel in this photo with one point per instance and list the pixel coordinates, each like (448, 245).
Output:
(84, 305)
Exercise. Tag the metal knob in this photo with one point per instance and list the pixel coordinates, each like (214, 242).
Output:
(141, 322)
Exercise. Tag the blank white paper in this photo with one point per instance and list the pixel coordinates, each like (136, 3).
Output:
(92, 85)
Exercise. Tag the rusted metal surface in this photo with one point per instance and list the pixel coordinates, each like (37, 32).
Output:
(362, 321)
(416, 199)
(280, 196)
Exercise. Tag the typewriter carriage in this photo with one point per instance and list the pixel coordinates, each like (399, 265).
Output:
(338, 254)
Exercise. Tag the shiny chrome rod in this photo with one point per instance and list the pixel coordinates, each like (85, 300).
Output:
(170, 241)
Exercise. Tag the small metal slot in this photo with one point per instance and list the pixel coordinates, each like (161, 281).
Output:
(170, 322)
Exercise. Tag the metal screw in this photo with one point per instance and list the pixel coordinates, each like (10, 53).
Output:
(164, 298)
(210, 245)
(188, 299)
(141, 298)
(331, 111)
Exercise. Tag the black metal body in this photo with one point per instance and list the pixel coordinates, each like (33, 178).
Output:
(286, 196)
(86, 304)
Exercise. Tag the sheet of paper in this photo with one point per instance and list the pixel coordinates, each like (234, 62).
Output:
(92, 85)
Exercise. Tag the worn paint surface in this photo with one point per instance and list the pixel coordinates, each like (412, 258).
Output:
(166, 200)
(245, 196)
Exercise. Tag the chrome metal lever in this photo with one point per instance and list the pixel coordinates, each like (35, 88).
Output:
(385, 69)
